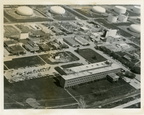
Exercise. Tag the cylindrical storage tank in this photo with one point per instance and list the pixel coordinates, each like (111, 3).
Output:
(112, 18)
(98, 9)
(122, 18)
(136, 9)
(57, 10)
(24, 11)
(120, 9)
(135, 28)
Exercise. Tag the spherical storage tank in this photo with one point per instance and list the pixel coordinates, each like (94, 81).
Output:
(24, 11)
(112, 18)
(98, 9)
(135, 28)
(57, 10)
(136, 9)
(120, 9)
(122, 18)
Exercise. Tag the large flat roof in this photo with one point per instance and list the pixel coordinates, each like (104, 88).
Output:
(88, 67)
(91, 72)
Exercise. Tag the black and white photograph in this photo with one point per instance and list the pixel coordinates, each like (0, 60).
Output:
(85, 56)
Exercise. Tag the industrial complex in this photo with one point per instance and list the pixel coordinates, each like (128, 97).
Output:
(72, 56)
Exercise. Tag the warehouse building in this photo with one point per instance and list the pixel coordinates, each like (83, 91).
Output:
(13, 47)
(86, 73)
(81, 41)
(71, 42)
(31, 46)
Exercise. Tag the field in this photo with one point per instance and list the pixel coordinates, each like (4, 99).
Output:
(46, 91)
(90, 55)
(71, 57)
(24, 62)
(100, 92)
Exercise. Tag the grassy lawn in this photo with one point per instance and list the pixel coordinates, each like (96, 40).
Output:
(91, 56)
(99, 91)
(24, 62)
(44, 90)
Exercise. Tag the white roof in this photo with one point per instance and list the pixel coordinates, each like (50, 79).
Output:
(24, 10)
(124, 45)
(135, 28)
(57, 9)
(98, 9)
(95, 34)
(88, 67)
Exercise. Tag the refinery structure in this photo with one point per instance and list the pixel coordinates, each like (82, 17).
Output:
(72, 56)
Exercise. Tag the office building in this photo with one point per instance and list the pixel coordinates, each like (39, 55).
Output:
(86, 73)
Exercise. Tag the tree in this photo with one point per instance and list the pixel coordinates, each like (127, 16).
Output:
(130, 74)
(136, 69)
(77, 50)
(94, 57)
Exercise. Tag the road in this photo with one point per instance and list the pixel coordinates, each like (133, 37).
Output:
(128, 104)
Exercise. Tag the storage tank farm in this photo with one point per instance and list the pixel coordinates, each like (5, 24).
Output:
(122, 15)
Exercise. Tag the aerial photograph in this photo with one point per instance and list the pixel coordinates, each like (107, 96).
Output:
(72, 56)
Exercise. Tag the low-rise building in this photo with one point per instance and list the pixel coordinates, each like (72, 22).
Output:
(13, 47)
(71, 42)
(24, 31)
(82, 41)
(31, 46)
(112, 77)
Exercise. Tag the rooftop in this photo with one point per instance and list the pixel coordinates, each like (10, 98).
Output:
(10, 42)
(15, 49)
(88, 67)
